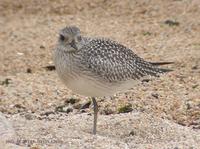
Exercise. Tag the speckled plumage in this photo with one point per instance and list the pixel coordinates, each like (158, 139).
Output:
(105, 66)
(98, 67)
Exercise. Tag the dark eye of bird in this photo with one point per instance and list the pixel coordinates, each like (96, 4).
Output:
(62, 38)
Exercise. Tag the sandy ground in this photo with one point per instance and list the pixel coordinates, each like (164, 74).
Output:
(37, 111)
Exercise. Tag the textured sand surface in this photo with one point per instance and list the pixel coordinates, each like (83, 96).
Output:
(132, 130)
(37, 109)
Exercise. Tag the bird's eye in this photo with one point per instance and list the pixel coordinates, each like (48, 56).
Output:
(62, 38)
(79, 38)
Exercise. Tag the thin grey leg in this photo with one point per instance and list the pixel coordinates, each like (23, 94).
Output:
(95, 115)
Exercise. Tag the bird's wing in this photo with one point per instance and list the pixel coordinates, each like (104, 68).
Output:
(115, 62)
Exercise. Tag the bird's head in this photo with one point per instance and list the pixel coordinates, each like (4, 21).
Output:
(70, 38)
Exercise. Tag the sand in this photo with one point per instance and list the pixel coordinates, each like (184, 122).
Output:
(36, 109)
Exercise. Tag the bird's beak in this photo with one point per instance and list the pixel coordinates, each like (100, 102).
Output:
(73, 44)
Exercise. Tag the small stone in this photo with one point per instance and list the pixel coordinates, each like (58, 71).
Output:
(155, 95)
(72, 101)
(86, 105)
(195, 67)
(69, 109)
(7, 132)
(47, 113)
(28, 70)
(28, 116)
(42, 47)
(195, 86)
(82, 111)
(59, 126)
(77, 106)
(50, 67)
(132, 133)
(64, 109)
(19, 106)
(181, 123)
(107, 111)
(20, 53)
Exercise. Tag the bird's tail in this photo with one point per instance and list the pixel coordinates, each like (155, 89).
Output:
(151, 68)
(163, 70)
(161, 63)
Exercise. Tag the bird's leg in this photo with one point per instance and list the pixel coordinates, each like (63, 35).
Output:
(95, 115)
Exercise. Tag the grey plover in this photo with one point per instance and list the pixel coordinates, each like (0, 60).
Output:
(96, 67)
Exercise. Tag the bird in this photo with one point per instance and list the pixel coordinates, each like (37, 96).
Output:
(99, 67)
